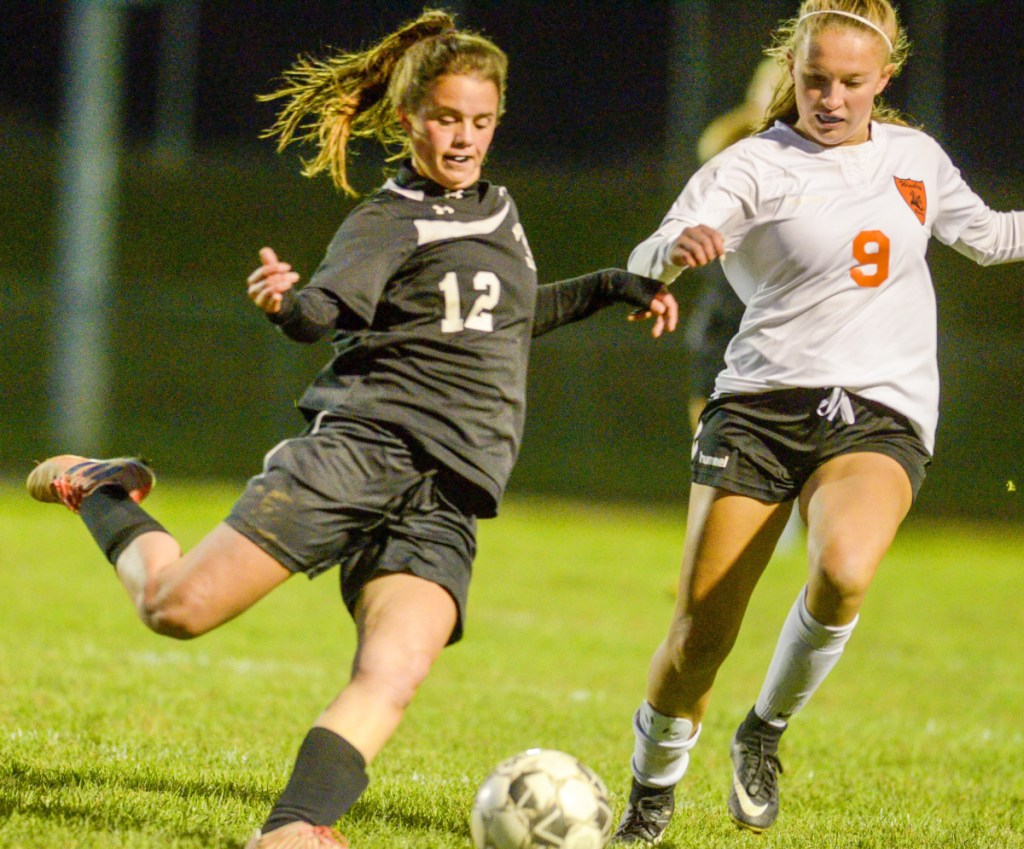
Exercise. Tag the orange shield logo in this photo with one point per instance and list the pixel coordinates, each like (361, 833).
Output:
(912, 191)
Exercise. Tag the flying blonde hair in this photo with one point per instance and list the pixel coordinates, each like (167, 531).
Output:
(878, 18)
(357, 94)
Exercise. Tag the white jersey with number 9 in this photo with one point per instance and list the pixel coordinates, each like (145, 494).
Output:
(826, 247)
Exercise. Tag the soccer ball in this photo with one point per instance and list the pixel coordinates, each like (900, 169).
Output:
(541, 799)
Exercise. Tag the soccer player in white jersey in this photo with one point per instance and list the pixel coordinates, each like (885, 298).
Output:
(829, 393)
(429, 292)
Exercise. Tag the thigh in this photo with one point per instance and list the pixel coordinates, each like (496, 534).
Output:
(729, 541)
(222, 576)
(853, 505)
(425, 536)
(401, 616)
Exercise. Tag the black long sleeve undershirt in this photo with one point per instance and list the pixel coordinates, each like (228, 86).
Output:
(579, 297)
(310, 314)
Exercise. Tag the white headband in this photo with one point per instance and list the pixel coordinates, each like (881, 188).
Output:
(853, 15)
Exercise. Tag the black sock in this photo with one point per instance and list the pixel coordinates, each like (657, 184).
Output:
(328, 776)
(114, 520)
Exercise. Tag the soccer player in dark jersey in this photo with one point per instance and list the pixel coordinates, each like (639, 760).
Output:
(430, 295)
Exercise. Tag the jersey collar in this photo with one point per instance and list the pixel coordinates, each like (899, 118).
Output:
(407, 178)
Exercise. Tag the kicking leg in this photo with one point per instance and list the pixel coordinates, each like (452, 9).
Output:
(177, 595)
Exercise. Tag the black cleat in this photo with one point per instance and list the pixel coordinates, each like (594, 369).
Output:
(754, 797)
(647, 815)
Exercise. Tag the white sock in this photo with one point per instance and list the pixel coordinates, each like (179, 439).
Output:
(662, 750)
(804, 656)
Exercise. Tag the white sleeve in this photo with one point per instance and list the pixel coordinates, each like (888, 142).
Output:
(967, 224)
(650, 257)
(719, 195)
(993, 238)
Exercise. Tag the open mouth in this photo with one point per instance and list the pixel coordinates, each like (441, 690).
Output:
(828, 120)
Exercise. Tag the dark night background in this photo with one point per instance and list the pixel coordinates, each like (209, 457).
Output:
(581, 148)
(587, 79)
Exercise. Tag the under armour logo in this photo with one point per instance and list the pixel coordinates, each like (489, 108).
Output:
(458, 194)
(442, 210)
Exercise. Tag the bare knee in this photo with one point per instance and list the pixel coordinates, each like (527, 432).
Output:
(394, 676)
(179, 615)
(151, 571)
(841, 574)
(846, 567)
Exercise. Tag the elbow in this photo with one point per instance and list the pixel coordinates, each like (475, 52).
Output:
(303, 333)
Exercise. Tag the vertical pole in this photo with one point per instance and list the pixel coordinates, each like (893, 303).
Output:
(86, 225)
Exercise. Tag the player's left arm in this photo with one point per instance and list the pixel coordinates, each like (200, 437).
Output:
(993, 238)
(966, 223)
(579, 297)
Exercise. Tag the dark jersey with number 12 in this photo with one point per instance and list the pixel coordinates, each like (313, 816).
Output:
(436, 295)
(445, 286)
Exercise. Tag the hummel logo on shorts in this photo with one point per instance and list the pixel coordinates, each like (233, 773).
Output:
(717, 462)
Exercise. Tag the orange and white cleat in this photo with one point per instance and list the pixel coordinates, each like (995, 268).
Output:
(298, 835)
(67, 479)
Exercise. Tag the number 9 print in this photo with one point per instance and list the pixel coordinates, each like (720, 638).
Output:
(870, 248)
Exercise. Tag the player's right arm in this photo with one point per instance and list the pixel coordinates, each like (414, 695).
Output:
(343, 293)
(267, 285)
(710, 216)
(696, 246)
(306, 315)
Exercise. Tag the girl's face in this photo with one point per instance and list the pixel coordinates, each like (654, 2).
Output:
(836, 75)
(451, 130)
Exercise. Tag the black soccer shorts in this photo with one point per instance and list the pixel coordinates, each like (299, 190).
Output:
(354, 493)
(766, 445)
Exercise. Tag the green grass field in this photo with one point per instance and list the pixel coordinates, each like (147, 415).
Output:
(113, 737)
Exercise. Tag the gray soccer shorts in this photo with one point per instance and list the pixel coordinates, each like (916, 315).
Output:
(354, 493)
(766, 445)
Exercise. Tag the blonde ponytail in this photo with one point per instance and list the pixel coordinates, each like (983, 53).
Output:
(355, 95)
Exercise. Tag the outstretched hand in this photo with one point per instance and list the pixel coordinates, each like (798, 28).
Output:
(663, 309)
(268, 283)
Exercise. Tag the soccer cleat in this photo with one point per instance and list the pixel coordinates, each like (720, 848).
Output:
(67, 479)
(754, 797)
(647, 815)
(298, 835)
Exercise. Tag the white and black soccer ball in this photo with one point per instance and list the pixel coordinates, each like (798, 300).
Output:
(541, 799)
